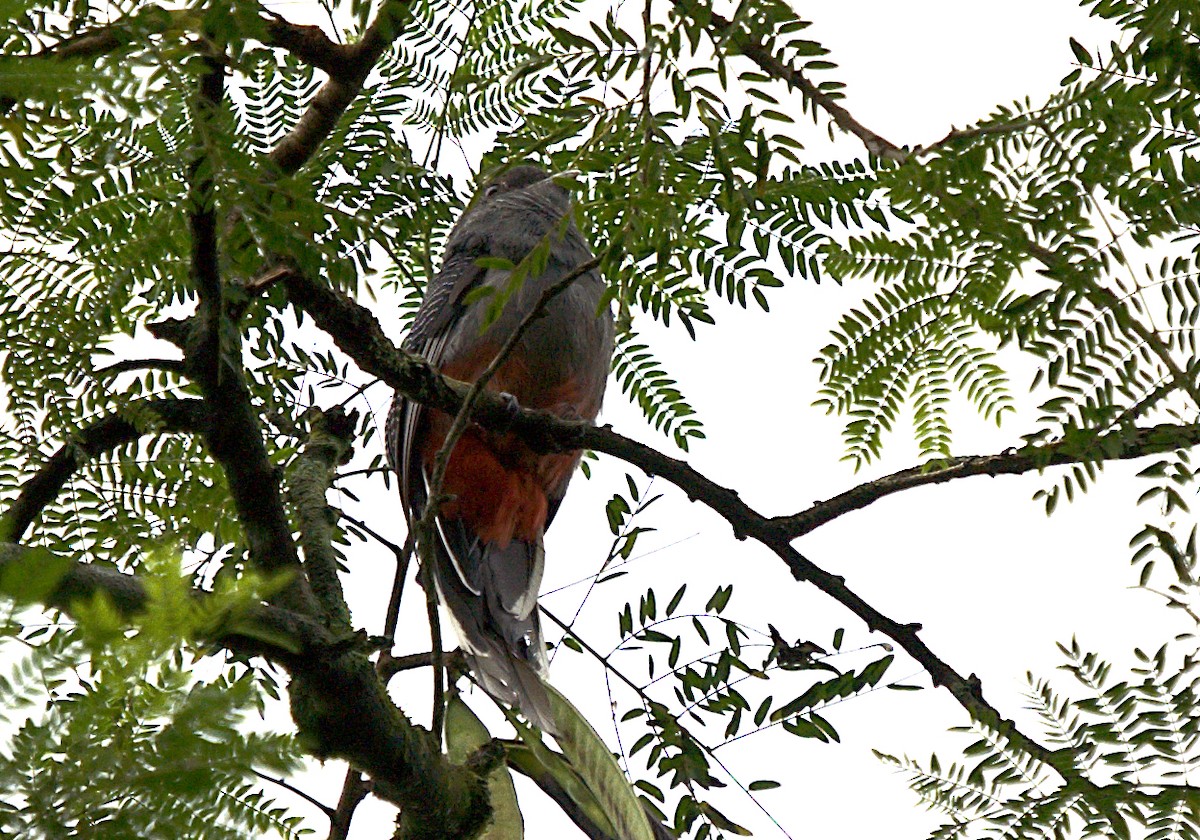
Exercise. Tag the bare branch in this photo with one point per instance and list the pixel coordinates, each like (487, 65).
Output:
(310, 799)
(388, 665)
(354, 790)
(130, 365)
(339, 91)
(310, 44)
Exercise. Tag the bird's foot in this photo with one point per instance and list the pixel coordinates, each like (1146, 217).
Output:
(566, 411)
(512, 409)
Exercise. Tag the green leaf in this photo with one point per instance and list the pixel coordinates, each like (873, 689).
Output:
(536, 758)
(1083, 56)
(590, 757)
(465, 733)
(675, 599)
(30, 575)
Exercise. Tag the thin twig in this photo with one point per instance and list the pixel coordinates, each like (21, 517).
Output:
(435, 142)
(354, 789)
(646, 699)
(128, 365)
(403, 561)
(727, 31)
(436, 652)
(403, 555)
(341, 476)
(325, 809)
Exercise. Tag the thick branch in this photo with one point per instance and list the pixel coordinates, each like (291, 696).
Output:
(345, 82)
(212, 358)
(328, 442)
(342, 710)
(310, 44)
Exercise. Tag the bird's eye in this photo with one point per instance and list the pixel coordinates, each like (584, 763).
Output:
(492, 190)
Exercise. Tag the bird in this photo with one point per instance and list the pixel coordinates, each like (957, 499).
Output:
(488, 553)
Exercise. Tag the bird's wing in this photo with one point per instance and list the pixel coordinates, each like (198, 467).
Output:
(431, 329)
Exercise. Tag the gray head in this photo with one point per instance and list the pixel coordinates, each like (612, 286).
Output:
(517, 207)
(517, 178)
(523, 186)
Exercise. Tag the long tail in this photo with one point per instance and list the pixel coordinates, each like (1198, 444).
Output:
(491, 594)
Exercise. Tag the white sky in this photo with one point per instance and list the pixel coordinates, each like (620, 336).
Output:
(993, 580)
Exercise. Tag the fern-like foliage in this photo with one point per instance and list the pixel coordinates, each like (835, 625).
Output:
(118, 737)
(1077, 187)
(1136, 737)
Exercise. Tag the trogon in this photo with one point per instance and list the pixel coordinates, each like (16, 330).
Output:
(488, 557)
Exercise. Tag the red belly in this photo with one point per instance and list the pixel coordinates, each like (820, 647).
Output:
(500, 486)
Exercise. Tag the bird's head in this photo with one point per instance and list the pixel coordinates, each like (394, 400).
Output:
(517, 178)
(526, 178)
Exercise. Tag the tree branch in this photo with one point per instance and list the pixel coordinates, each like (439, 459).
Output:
(329, 441)
(170, 415)
(358, 334)
(310, 44)
(727, 32)
(388, 665)
(1120, 445)
(955, 135)
(279, 635)
(354, 790)
(290, 788)
(130, 365)
(101, 40)
(213, 360)
(345, 82)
